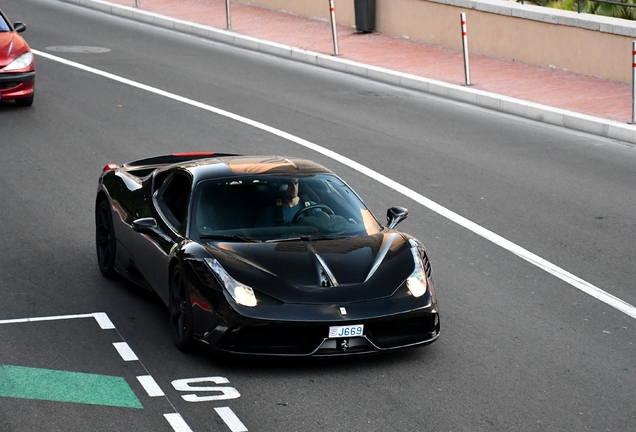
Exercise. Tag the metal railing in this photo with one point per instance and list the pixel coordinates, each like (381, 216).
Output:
(615, 3)
(578, 4)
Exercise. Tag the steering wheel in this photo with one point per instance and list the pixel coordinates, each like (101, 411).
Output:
(322, 207)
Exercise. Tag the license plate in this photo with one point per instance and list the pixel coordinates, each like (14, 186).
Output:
(346, 331)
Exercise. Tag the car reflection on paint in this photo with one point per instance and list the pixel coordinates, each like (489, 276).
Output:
(258, 255)
(17, 64)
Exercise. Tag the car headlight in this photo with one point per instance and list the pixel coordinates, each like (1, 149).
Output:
(417, 282)
(242, 294)
(23, 61)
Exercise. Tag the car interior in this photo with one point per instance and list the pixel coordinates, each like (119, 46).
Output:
(237, 204)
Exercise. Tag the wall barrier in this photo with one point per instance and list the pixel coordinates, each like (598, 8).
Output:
(582, 43)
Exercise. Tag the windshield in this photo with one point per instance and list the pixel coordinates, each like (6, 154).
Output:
(4, 27)
(278, 208)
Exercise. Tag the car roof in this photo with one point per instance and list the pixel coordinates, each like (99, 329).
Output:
(238, 166)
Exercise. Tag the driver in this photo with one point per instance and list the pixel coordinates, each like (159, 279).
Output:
(287, 205)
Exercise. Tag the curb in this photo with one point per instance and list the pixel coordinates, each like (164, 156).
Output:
(529, 110)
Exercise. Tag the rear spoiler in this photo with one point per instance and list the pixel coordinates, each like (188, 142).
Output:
(158, 161)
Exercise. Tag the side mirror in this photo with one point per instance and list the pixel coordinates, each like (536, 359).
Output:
(149, 226)
(395, 215)
(19, 26)
(145, 225)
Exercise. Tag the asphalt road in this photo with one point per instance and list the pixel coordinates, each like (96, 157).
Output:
(520, 349)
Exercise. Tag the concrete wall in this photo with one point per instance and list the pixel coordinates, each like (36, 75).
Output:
(587, 44)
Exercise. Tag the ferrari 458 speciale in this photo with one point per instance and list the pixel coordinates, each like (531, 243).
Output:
(264, 255)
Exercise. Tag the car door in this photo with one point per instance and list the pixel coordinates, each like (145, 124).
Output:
(170, 204)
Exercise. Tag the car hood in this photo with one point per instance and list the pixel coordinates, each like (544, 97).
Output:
(340, 270)
(11, 46)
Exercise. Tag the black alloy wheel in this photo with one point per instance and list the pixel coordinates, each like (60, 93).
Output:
(105, 239)
(180, 308)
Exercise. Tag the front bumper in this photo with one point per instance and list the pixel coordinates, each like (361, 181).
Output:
(16, 85)
(311, 339)
(387, 326)
(291, 329)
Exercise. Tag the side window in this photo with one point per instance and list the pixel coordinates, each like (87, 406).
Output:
(172, 199)
(159, 179)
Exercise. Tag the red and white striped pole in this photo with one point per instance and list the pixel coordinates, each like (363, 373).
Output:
(332, 13)
(465, 46)
(633, 82)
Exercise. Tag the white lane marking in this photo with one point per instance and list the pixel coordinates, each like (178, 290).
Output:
(543, 264)
(230, 419)
(150, 385)
(177, 422)
(47, 318)
(124, 350)
(104, 322)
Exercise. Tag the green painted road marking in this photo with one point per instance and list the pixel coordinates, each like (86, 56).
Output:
(46, 384)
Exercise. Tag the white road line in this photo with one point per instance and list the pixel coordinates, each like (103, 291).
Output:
(125, 351)
(230, 419)
(102, 319)
(536, 260)
(150, 385)
(177, 422)
(48, 318)
(104, 322)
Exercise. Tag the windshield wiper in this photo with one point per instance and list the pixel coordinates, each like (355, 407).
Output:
(281, 240)
(226, 237)
(330, 237)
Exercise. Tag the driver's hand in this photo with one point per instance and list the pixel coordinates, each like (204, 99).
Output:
(322, 214)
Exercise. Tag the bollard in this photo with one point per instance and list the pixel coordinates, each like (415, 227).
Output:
(137, 4)
(228, 18)
(462, 16)
(633, 82)
(332, 13)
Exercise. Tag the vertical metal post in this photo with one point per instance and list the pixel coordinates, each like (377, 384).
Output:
(465, 45)
(633, 82)
(332, 12)
(228, 17)
(137, 4)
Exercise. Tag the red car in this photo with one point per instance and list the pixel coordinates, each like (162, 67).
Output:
(17, 64)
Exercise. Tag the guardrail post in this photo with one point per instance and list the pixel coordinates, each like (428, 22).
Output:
(228, 17)
(332, 14)
(462, 17)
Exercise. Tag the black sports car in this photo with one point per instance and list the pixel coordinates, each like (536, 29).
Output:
(264, 255)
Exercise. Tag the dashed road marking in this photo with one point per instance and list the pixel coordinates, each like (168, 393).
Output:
(150, 385)
(126, 353)
(231, 419)
(104, 322)
(177, 422)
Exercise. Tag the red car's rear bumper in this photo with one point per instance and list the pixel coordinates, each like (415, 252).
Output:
(16, 85)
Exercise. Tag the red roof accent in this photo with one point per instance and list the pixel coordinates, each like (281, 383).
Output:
(109, 167)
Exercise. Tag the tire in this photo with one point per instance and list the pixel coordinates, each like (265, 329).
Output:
(105, 241)
(180, 308)
(25, 102)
